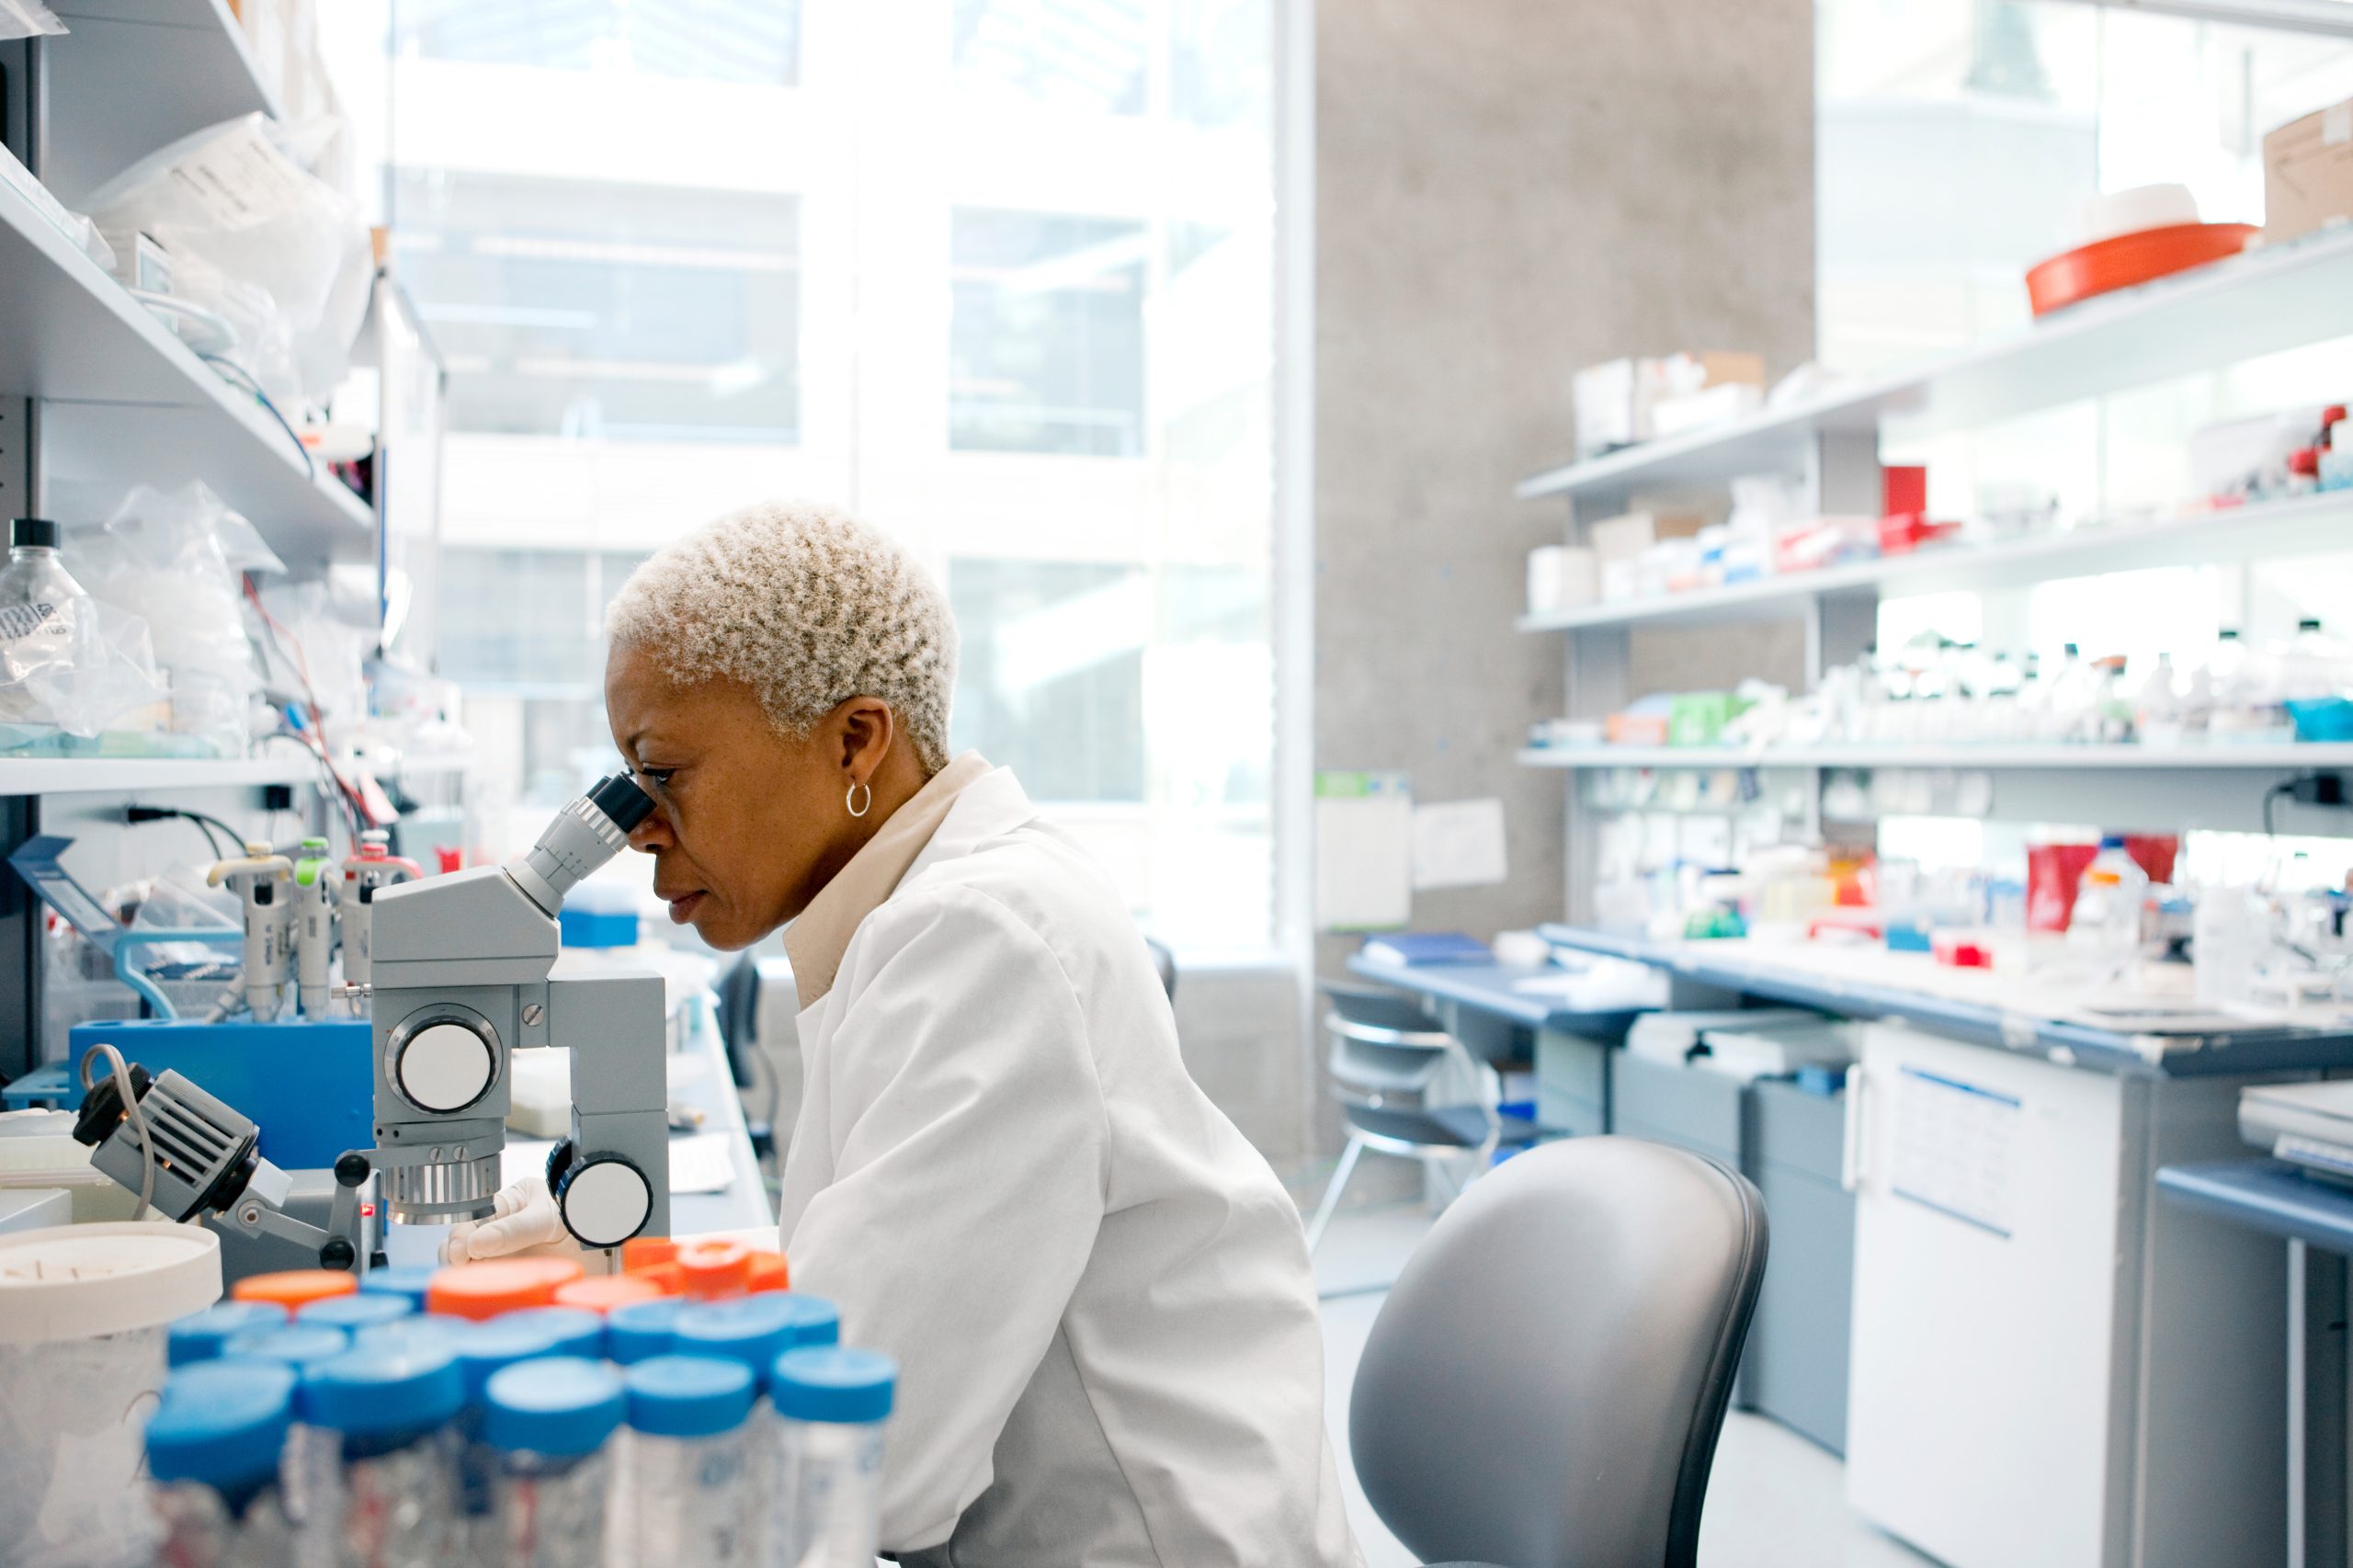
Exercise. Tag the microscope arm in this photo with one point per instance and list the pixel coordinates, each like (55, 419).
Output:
(611, 1177)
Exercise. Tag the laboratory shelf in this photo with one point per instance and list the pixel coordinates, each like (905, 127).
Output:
(124, 402)
(1973, 1006)
(2277, 298)
(131, 76)
(2037, 758)
(2202, 537)
(283, 764)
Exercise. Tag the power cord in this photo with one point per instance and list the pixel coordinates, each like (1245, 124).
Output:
(204, 822)
(120, 1072)
(2307, 789)
(243, 379)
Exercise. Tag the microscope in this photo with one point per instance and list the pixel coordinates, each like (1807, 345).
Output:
(460, 980)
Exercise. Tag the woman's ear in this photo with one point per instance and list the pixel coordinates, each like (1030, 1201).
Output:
(868, 729)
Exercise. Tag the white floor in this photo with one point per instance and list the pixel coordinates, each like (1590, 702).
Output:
(1774, 1499)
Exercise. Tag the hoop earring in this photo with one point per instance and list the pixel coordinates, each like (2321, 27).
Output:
(857, 810)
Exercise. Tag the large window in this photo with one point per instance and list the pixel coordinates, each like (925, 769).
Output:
(722, 40)
(1046, 335)
(629, 311)
(1000, 278)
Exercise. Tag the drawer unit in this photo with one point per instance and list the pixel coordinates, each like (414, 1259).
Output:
(1572, 1084)
(1687, 1107)
(1795, 1366)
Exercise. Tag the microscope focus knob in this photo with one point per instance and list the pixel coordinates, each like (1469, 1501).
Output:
(445, 1066)
(605, 1200)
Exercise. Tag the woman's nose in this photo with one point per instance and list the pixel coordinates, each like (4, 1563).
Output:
(652, 834)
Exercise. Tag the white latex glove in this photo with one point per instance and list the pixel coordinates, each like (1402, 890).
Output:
(522, 1216)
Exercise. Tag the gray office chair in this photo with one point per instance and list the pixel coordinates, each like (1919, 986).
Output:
(1164, 963)
(1384, 1045)
(1545, 1384)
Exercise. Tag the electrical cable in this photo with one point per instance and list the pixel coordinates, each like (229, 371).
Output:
(204, 822)
(355, 806)
(245, 381)
(121, 1073)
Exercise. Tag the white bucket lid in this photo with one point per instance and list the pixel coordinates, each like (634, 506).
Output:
(81, 1281)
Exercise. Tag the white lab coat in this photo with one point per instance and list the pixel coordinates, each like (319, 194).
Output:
(1096, 1290)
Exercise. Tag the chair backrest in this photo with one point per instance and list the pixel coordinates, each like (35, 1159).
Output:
(1545, 1384)
(1164, 962)
(1376, 1013)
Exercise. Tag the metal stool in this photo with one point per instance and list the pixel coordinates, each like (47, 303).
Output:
(1385, 1043)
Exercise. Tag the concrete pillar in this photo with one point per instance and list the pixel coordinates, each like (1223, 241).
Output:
(1507, 191)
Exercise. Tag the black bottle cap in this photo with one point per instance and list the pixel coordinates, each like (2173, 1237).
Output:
(32, 530)
(620, 798)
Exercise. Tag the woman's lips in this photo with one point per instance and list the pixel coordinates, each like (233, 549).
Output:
(682, 909)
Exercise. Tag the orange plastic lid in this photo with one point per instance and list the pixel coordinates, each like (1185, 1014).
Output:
(295, 1287)
(644, 1252)
(715, 1268)
(603, 1292)
(2122, 261)
(667, 1278)
(500, 1285)
(769, 1273)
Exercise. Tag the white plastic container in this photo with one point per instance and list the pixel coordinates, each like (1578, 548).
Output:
(83, 1315)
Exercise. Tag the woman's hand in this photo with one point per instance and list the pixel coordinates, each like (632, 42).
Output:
(523, 1218)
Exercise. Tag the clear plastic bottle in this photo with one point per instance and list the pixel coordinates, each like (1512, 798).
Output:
(484, 1350)
(639, 1331)
(2071, 712)
(310, 1453)
(831, 1407)
(213, 1447)
(405, 1281)
(569, 1331)
(360, 1310)
(199, 1336)
(2107, 917)
(685, 1461)
(755, 1330)
(48, 625)
(551, 1421)
(2312, 667)
(390, 1499)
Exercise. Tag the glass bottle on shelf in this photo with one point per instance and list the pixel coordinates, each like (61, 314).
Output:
(47, 623)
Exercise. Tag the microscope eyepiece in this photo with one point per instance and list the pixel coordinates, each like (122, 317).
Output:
(585, 834)
(622, 800)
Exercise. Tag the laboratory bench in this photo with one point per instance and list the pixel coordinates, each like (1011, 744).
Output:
(1498, 992)
(1981, 1006)
(2272, 1198)
(2001, 1153)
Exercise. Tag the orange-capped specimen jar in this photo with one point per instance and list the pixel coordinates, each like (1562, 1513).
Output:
(603, 1292)
(500, 1285)
(295, 1287)
(645, 1252)
(769, 1273)
(715, 1268)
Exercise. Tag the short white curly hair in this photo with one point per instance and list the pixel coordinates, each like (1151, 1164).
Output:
(809, 606)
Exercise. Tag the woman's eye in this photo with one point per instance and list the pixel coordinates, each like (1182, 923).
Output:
(657, 776)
